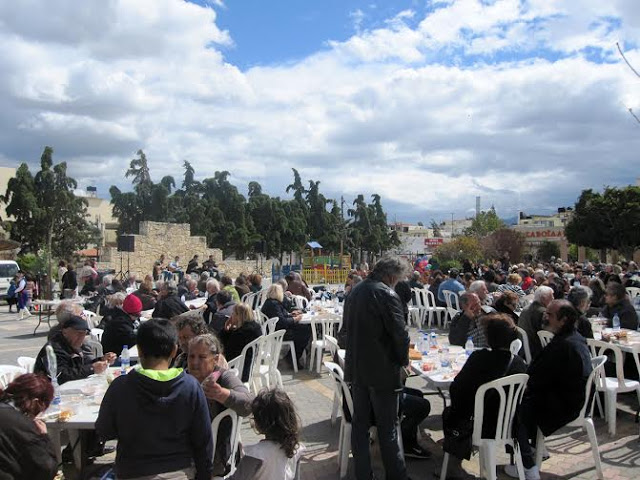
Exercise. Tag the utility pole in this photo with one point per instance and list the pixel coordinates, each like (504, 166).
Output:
(452, 225)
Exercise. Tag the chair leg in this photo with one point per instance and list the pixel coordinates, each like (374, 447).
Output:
(344, 453)
(591, 432)
(539, 448)
(319, 357)
(445, 465)
(488, 461)
(312, 356)
(334, 408)
(294, 358)
(518, 456)
(610, 406)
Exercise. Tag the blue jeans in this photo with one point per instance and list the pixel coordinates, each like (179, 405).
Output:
(382, 407)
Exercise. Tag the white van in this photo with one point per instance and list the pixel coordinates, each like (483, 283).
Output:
(8, 270)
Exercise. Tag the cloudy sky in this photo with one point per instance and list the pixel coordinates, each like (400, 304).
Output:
(427, 103)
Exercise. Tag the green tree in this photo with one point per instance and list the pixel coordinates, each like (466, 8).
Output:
(548, 249)
(437, 232)
(607, 220)
(484, 224)
(504, 241)
(458, 249)
(48, 217)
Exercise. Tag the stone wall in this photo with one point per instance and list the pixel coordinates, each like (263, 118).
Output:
(173, 239)
(156, 238)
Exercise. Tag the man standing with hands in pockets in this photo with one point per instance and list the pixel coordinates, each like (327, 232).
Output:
(377, 349)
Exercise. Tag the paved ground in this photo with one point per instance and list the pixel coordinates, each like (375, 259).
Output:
(571, 456)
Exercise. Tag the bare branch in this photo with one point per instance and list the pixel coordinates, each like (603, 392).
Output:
(634, 115)
(627, 62)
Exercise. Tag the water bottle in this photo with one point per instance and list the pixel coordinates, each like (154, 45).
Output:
(57, 399)
(434, 340)
(615, 323)
(468, 347)
(425, 344)
(125, 360)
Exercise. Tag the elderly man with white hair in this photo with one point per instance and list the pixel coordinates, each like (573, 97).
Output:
(531, 317)
(479, 287)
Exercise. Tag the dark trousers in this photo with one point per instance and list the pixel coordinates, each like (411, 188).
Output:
(301, 335)
(526, 430)
(414, 409)
(382, 407)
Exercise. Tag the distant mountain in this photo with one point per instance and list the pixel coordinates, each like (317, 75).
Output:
(510, 220)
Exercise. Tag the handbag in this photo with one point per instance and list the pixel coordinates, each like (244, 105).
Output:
(458, 431)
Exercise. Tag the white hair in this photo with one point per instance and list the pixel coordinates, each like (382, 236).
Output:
(542, 292)
(476, 286)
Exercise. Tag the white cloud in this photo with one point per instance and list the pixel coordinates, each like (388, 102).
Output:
(429, 111)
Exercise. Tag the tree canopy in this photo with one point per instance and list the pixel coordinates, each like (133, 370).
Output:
(215, 208)
(607, 220)
(484, 224)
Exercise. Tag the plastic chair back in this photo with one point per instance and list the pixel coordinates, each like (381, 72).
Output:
(300, 302)
(510, 390)
(599, 348)
(332, 345)
(27, 363)
(338, 376)
(525, 344)
(515, 346)
(270, 325)
(96, 334)
(234, 437)
(597, 365)
(545, 337)
(8, 373)
(250, 352)
(633, 292)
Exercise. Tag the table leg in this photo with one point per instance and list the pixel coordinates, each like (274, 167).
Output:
(75, 439)
(39, 320)
(54, 435)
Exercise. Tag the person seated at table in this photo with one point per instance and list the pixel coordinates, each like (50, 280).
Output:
(451, 284)
(132, 282)
(513, 285)
(174, 267)
(241, 286)
(300, 334)
(169, 303)
(192, 266)
(210, 266)
(202, 281)
(465, 323)
(188, 327)
(26, 451)
(145, 294)
(210, 307)
(239, 330)
(224, 307)
(481, 367)
(255, 282)
(278, 455)
(531, 317)
(227, 391)
(74, 359)
(158, 415)
(226, 283)
(617, 302)
(112, 306)
(188, 290)
(580, 298)
(557, 379)
(121, 329)
(297, 286)
(415, 280)
(507, 303)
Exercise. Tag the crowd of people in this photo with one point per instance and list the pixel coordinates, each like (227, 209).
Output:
(160, 413)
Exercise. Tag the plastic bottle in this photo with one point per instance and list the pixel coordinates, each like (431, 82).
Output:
(425, 344)
(57, 399)
(615, 323)
(125, 360)
(468, 347)
(434, 340)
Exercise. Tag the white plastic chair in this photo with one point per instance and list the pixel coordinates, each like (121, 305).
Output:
(267, 369)
(545, 337)
(235, 365)
(250, 350)
(515, 346)
(90, 317)
(96, 334)
(525, 344)
(8, 373)
(418, 312)
(453, 304)
(334, 349)
(269, 327)
(510, 389)
(612, 385)
(433, 309)
(300, 302)
(633, 292)
(318, 344)
(337, 391)
(234, 437)
(27, 363)
(584, 420)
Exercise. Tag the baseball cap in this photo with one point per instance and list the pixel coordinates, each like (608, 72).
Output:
(77, 323)
(132, 304)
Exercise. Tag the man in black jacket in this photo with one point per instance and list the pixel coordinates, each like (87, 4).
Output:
(169, 304)
(224, 306)
(377, 349)
(121, 328)
(74, 359)
(465, 323)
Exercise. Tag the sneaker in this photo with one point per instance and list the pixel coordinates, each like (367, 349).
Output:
(416, 451)
(532, 473)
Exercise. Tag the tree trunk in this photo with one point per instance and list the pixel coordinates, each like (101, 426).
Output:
(47, 287)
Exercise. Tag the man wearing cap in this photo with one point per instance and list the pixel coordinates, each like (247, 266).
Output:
(450, 283)
(74, 359)
(121, 328)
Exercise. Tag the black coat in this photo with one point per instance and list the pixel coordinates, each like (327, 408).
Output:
(24, 452)
(119, 331)
(557, 379)
(148, 301)
(235, 340)
(169, 307)
(377, 341)
(71, 365)
(626, 312)
(459, 329)
(482, 366)
(531, 322)
(221, 316)
(273, 308)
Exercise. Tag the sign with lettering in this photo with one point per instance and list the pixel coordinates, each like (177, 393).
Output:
(433, 242)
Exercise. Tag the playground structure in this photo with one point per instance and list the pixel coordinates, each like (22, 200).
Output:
(318, 268)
